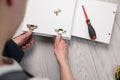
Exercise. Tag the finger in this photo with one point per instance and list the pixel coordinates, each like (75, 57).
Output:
(57, 39)
(22, 34)
(32, 40)
(19, 35)
(23, 47)
(23, 38)
(28, 43)
(26, 46)
(62, 41)
(27, 34)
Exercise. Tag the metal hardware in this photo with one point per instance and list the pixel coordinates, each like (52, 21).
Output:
(114, 12)
(57, 12)
(60, 31)
(31, 26)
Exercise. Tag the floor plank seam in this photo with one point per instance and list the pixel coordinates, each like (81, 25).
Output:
(93, 60)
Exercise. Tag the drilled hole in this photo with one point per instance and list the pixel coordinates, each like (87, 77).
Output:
(109, 34)
(113, 12)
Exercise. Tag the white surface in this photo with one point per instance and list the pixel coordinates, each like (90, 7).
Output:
(101, 16)
(41, 13)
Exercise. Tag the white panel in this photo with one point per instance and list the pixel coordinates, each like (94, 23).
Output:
(41, 13)
(101, 16)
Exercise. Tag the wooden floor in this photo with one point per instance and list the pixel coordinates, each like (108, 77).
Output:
(88, 60)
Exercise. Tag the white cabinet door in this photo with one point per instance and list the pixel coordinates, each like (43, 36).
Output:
(50, 17)
(102, 16)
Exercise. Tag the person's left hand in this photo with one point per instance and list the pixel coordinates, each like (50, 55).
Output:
(24, 40)
(61, 50)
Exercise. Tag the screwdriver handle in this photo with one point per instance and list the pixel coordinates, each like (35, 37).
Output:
(91, 30)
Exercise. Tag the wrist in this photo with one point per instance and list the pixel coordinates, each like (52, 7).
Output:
(63, 63)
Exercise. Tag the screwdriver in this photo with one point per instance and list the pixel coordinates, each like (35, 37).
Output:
(91, 30)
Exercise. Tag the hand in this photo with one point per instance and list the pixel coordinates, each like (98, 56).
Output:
(61, 50)
(24, 40)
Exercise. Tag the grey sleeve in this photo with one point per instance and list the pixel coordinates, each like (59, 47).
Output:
(18, 75)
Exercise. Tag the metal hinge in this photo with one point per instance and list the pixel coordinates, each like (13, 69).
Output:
(60, 31)
(31, 26)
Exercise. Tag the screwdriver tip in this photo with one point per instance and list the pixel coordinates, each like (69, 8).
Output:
(82, 5)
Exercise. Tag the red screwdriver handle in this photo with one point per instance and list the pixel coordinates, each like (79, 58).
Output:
(91, 30)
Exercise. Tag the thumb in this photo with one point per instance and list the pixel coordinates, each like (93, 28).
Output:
(27, 35)
(23, 38)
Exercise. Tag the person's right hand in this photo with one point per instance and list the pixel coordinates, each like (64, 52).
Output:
(61, 50)
(24, 40)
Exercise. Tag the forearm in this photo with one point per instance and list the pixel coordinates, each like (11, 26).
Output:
(65, 72)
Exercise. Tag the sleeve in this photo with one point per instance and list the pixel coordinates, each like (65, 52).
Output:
(11, 50)
(37, 78)
(17, 75)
